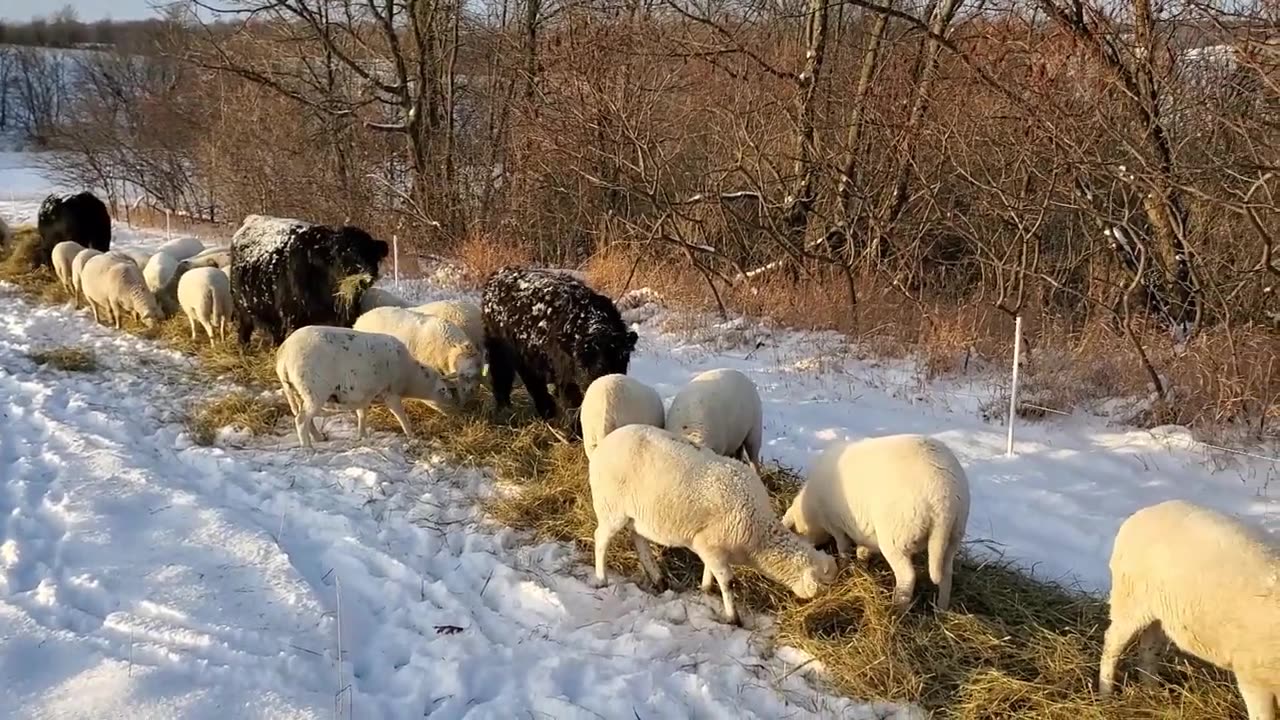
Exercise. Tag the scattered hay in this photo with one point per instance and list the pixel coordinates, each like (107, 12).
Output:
(1012, 647)
(237, 410)
(253, 367)
(71, 359)
(18, 266)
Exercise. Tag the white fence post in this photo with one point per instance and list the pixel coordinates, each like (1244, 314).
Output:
(1013, 386)
(168, 234)
(395, 259)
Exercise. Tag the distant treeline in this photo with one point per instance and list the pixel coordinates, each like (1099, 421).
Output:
(63, 30)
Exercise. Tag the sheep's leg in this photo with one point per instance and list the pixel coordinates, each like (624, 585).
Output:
(94, 307)
(191, 320)
(645, 553)
(394, 405)
(904, 575)
(360, 423)
(1259, 700)
(1119, 634)
(751, 446)
(606, 528)
(842, 544)
(1150, 642)
(707, 578)
(302, 422)
(718, 564)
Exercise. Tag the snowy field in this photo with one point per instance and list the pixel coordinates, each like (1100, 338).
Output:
(142, 576)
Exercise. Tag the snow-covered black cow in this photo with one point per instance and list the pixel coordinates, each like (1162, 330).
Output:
(81, 218)
(549, 327)
(286, 274)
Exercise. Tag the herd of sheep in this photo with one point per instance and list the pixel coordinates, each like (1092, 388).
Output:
(684, 476)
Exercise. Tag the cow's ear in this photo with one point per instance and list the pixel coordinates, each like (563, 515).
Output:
(632, 339)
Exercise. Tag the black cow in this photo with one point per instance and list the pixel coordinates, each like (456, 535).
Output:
(286, 274)
(81, 218)
(550, 328)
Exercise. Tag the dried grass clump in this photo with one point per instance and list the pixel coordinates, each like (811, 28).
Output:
(71, 359)
(19, 264)
(482, 254)
(238, 410)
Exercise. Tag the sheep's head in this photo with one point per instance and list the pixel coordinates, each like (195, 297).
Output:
(468, 367)
(426, 384)
(800, 566)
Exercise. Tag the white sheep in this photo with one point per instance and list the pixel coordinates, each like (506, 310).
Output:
(896, 495)
(137, 257)
(112, 285)
(350, 369)
(63, 255)
(218, 257)
(77, 268)
(434, 342)
(466, 315)
(376, 297)
(677, 494)
(159, 269)
(205, 296)
(612, 401)
(720, 410)
(181, 248)
(1211, 584)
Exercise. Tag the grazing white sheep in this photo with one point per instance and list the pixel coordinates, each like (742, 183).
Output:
(159, 269)
(218, 257)
(351, 369)
(613, 401)
(466, 315)
(77, 268)
(896, 495)
(1211, 584)
(377, 297)
(677, 494)
(434, 342)
(137, 257)
(720, 410)
(181, 248)
(205, 296)
(113, 286)
(63, 255)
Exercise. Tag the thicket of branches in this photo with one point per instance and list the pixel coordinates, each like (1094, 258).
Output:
(1105, 170)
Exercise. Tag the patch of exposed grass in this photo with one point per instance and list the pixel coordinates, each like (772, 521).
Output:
(254, 366)
(240, 410)
(71, 359)
(1011, 647)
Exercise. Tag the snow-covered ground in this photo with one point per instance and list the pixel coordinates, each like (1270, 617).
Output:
(141, 576)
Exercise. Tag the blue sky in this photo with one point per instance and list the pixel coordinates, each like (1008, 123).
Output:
(88, 10)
